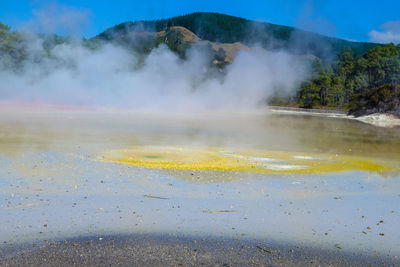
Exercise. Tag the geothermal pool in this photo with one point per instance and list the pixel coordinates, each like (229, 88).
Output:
(296, 179)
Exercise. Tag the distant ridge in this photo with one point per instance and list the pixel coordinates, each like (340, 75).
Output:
(216, 27)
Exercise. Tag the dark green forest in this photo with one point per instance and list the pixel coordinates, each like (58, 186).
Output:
(336, 84)
(223, 28)
(345, 75)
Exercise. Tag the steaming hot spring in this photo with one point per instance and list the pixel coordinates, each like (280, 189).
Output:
(275, 178)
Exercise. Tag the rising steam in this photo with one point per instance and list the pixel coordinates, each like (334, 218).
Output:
(113, 76)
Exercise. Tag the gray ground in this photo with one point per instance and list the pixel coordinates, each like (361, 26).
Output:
(152, 250)
(53, 185)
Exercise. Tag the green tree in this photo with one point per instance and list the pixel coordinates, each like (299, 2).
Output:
(309, 95)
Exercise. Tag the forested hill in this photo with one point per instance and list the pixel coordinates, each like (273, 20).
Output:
(222, 28)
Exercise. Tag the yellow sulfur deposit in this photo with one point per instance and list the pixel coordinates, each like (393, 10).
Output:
(180, 158)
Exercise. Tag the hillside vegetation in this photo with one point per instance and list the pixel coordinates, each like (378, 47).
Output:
(335, 84)
(383, 99)
(222, 28)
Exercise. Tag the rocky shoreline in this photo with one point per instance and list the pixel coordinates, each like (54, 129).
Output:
(376, 119)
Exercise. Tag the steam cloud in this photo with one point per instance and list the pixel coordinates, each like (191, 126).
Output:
(112, 76)
(76, 75)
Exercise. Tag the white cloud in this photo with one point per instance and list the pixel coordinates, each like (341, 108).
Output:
(389, 33)
(309, 19)
(55, 18)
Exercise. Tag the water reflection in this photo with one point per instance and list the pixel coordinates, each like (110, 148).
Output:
(266, 131)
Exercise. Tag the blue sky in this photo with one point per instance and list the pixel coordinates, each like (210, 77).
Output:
(365, 20)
